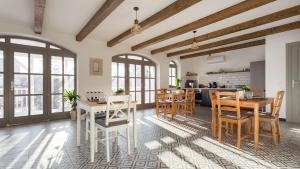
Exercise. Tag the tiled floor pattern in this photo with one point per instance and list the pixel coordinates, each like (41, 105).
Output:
(162, 143)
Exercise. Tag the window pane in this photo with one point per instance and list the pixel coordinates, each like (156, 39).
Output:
(171, 63)
(138, 97)
(36, 84)
(67, 106)
(21, 106)
(152, 84)
(28, 42)
(138, 84)
(69, 83)
(36, 105)
(132, 96)
(69, 65)
(121, 70)
(134, 57)
(21, 84)
(56, 65)
(2, 40)
(173, 81)
(56, 103)
(114, 85)
(170, 71)
(1, 107)
(170, 81)
(54, 47)
(173, 72)
(36, 63)
(132, 84)
(147, 97)
(114, 69)
(147, 84)
(56, 84)
(138, 70)
(1, 84)
(122, 83)
(131, 70)
(20, 62)
(152, 71)
(1, 61)
(147, 71)
(152, 97)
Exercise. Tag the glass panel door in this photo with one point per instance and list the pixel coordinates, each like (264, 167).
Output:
(1, 87)
(27, 86)
(149, 84)
(135, 82)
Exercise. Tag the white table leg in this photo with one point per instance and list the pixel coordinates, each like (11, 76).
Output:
(134, 126)
(92, 136)
(78, 125)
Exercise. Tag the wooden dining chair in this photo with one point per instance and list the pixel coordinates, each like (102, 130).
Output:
(273, 118)
(163, 103)
(188, 103)
(116, 118)
(192, 91)
(229, 112)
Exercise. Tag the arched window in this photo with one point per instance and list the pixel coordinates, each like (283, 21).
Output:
(33, 77)
(172, 73)
(137, 76)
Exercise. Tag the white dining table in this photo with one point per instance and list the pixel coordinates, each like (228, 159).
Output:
(92, 108)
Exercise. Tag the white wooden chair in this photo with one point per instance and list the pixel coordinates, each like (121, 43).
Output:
(96, 96)
(118, 119)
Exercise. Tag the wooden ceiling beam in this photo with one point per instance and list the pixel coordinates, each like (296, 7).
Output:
(283, 14)
(106, 9)
(225, 49)
(39, 9)
(218, 16)
(165, 13)
(257, 34)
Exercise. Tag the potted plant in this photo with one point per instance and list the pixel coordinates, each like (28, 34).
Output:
(120, 92)
(177, 83)
(71, 97)
(247, 92)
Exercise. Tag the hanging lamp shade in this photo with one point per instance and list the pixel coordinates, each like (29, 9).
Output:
(194, 44)
(136, 27)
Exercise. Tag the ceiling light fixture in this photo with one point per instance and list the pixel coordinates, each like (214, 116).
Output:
(194, 44)
(136, 27)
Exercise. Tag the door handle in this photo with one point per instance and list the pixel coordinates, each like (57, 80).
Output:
(294, 82)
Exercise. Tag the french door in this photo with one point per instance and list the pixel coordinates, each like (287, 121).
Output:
(33, 78)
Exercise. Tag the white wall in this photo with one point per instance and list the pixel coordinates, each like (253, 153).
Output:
(276, 63)
(237, 59)
(91, 48)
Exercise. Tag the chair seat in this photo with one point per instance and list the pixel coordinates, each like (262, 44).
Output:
(232, 115)
(101, 122)
(165, 102)
(263, 115)
(98, 116)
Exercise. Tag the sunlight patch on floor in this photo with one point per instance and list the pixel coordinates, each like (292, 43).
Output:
(152, 145)
(168, 140)
(237, 157)
(295, 130)
(10, 143)
(144, 123)
(172, 161)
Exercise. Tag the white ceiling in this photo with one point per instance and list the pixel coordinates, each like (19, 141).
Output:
(69, 16)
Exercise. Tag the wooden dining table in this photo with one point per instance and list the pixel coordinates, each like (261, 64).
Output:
(255, 104)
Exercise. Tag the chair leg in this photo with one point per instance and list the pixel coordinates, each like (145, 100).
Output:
(107, 145)
(86, 130)
(274, 132)
(220, 130)
(96, 140)
(247, 128)
(128, 141)
(226, 129)
(239, 128)
(231, 129)
(278, 129)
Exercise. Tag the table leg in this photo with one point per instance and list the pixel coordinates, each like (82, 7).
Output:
(256, 127)
(134, 127)
(78, 125)
(92, 136)
(213, 121)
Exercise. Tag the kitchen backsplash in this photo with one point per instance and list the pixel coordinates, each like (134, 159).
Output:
(227, 79)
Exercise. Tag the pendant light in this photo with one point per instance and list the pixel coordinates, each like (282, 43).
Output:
(194, 44)
(136, 27)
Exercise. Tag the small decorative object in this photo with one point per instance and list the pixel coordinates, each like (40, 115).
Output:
(136, 27)
(194, 44)
(96, 66)
(248, 94)
(71, 97)
(120, 92)
(177, 82)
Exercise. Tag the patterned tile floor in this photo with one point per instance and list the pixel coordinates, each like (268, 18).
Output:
(162, 143)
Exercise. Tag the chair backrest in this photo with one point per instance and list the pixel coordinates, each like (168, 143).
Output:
(120, 106)
(277, 103)
(161, 91)
(213, 97)
(190, 96)
(229, 102)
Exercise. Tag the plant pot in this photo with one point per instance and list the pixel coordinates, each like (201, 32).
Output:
(73, 114)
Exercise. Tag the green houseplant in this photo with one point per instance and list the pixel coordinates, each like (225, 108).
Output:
(177, 83)
(71, 97)
(120, 92)
(248, 94)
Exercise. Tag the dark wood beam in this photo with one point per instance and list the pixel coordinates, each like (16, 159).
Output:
(257, 34)
(218, 16)
(283, 14)
(106, 9)
(165, 13)
(229, 48)
(39, 9)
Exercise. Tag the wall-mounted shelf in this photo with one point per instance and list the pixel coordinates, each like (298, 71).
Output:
(225, 72)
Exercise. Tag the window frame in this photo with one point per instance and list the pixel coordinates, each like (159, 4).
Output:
(172, 66)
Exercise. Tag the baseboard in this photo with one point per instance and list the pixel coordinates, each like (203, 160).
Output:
(282, 119)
